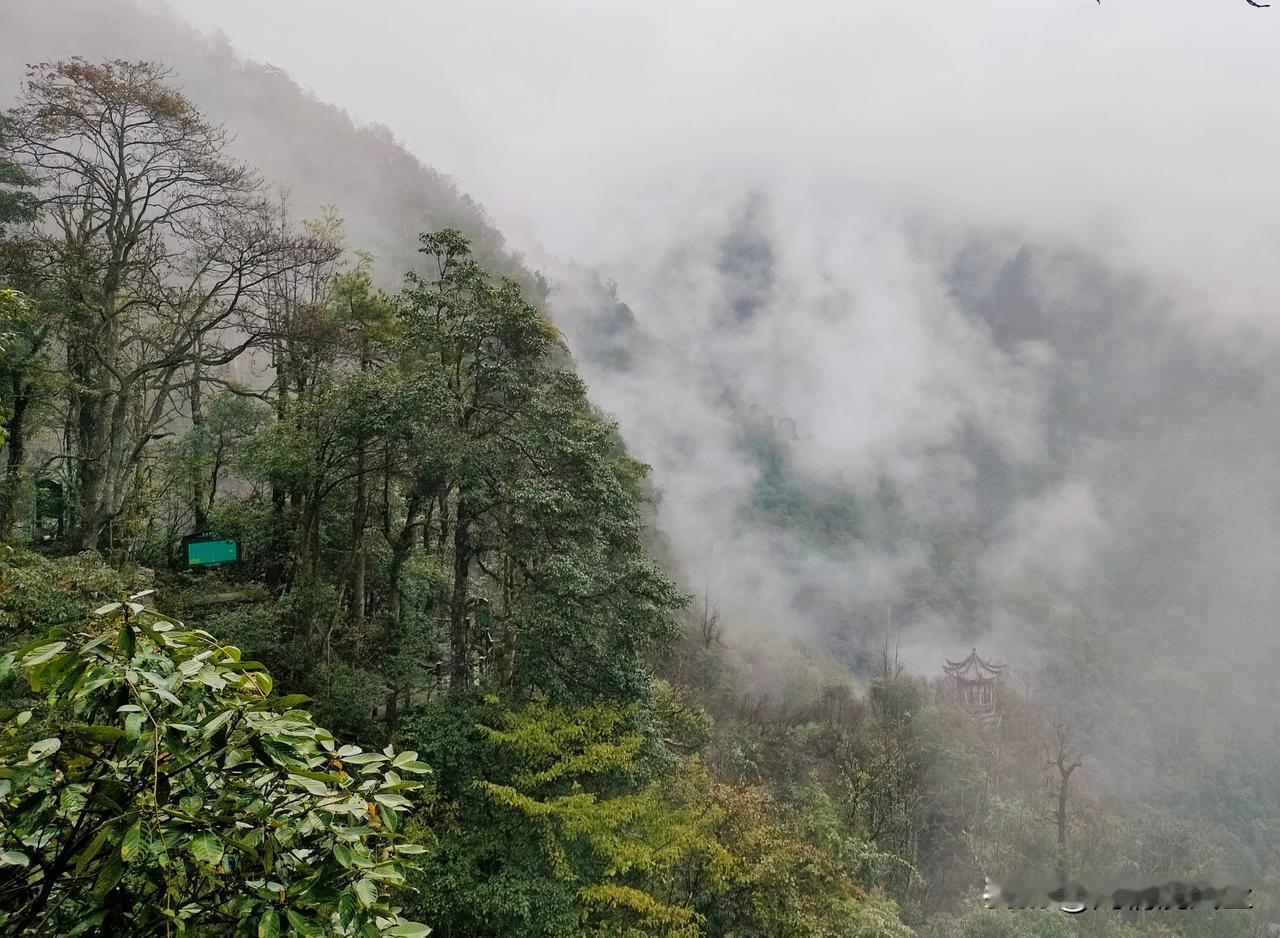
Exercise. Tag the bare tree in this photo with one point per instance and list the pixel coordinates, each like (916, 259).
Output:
(161, 246)
(1062, 756)
(711, 630)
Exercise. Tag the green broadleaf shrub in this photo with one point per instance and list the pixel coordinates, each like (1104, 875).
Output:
(160, 788)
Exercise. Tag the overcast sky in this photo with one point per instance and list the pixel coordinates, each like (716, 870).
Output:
(1146, 127)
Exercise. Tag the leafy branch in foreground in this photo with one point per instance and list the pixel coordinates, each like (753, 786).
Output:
(159, 788)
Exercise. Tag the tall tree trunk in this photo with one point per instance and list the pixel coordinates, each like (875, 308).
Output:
(115, 445)
(359, 520)
(215, 473)
(386, 490)
(1061, 814)
(459, 666)
(200, 519)
(85, 470)
(90, 352)
(351, 580)
(311, 516)
(275, 564)
(400, 548)
(444, 524)
(508, 633)
(16, 427)
(395, 602)
(89, 525)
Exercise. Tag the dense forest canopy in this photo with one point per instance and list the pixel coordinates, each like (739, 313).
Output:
(477, 668)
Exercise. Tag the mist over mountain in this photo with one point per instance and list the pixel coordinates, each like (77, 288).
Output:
(938, 441)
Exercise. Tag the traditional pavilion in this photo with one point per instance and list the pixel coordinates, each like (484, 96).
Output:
(976, 686)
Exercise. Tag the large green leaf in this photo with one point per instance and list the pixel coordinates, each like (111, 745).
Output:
(42, 654)
(207, 848)
(43, 749)
(132, 842)
(269, 924)
(407, 929)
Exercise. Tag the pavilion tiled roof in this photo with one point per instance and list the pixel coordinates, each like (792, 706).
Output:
(974, 668)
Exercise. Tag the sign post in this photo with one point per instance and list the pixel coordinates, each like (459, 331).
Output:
(208, 550)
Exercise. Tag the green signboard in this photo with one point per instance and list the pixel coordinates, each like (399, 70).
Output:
(211, 552)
